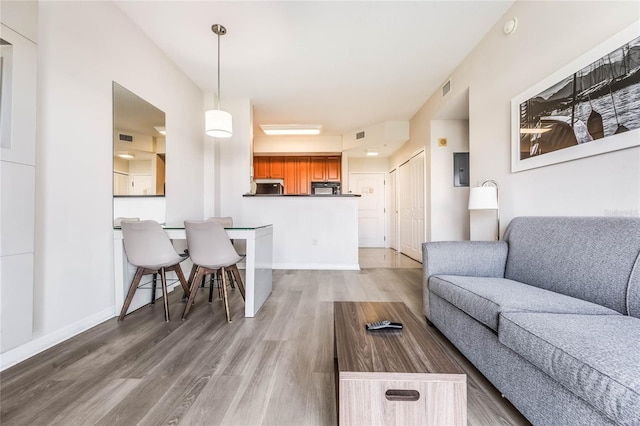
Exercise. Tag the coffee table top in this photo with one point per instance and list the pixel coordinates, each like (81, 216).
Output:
(410, 350)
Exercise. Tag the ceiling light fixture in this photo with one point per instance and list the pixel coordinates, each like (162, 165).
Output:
(371, 153)
(125, 154)
(218, 123)
(534, 130)
(291, 129)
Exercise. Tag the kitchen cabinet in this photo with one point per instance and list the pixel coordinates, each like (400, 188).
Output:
(276, 167)
(325, 168)
(333, 169)
(318, 166)
(303, 182)
(296, 175)
(260, 167)
(268, 167)
(298, 171)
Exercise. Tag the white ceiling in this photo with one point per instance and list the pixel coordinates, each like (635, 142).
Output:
(344, 65)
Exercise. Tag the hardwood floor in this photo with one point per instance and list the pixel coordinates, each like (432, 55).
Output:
(274, 369)
(385, 258)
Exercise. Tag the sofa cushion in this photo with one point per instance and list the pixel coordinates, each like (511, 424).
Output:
(590, 258)
(483, 298)
(596, 357)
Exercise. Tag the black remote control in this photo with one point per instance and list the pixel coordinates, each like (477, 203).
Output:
(384, 325)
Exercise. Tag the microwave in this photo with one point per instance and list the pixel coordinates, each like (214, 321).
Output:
(325, 188)
(269, 188)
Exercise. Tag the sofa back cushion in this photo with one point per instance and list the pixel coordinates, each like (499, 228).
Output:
(591, 258)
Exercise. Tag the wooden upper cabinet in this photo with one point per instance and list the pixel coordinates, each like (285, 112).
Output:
(290, 175)
(304, 181)
(260, 167)
(334, 168)
(276, 167)
(318, 166)
(325, 168)
(268, 167)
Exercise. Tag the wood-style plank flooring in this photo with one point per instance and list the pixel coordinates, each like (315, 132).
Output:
(274, 369)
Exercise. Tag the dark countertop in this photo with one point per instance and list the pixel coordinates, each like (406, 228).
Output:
(303, 195)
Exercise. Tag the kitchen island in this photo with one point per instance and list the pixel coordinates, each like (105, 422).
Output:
(309, 231)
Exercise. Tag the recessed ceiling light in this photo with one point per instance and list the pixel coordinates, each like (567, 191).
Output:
(291, 129)
(371, 153)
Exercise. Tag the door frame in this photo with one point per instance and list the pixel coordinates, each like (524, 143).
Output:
(391, 206)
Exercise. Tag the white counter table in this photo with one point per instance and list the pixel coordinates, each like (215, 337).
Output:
(258, 277)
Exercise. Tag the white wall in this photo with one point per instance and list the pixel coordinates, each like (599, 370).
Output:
(448, 204)
(590, 186)
(500, 68)
(297, 144)
(230, 160)
(84, 47)
(368, 165)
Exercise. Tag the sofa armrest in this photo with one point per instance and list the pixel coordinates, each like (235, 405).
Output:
(467, 258)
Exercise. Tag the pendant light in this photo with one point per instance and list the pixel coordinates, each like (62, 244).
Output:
(218, 123)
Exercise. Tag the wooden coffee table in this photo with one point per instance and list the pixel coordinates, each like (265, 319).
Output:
(393, 377)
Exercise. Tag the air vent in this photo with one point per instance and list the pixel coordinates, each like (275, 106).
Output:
(446, 88)
(125, 138)
(360, 135)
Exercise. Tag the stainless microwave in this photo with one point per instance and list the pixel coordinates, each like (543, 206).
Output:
(325, 188)
(269, 188)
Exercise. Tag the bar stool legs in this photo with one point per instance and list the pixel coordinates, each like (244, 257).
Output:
(195, 283)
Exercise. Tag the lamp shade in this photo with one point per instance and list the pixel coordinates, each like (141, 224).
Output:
(218, 123)
(483, 198)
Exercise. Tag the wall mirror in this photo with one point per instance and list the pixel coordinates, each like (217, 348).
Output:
(139, 145)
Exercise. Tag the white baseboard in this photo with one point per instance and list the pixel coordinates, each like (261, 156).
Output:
(35, 346)
(318, 266)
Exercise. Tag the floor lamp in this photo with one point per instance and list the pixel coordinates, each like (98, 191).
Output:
(485, 197)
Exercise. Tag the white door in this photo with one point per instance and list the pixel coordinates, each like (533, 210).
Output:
(120, 184)
(411, 188)
(393, 209)
(370, 207)
(141, 185)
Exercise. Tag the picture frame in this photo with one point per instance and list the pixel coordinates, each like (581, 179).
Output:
(589, 107)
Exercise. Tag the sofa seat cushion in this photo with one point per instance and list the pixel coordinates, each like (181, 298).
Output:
(596, 357)
(484, 298)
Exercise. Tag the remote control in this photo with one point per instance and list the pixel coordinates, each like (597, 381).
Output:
(384, 325)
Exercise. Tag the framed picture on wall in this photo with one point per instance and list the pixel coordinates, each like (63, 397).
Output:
(589, 107)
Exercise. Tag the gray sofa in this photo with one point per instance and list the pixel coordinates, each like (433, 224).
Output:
(550, 315)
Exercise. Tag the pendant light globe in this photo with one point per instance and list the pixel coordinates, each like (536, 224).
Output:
(218, 123)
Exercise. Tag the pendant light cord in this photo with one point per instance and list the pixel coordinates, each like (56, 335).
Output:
(218, 30)
(219, 71)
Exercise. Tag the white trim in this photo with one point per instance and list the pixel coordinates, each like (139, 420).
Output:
(40, 344)
(318, 266)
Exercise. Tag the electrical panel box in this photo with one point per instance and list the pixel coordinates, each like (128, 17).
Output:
(460, 169)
